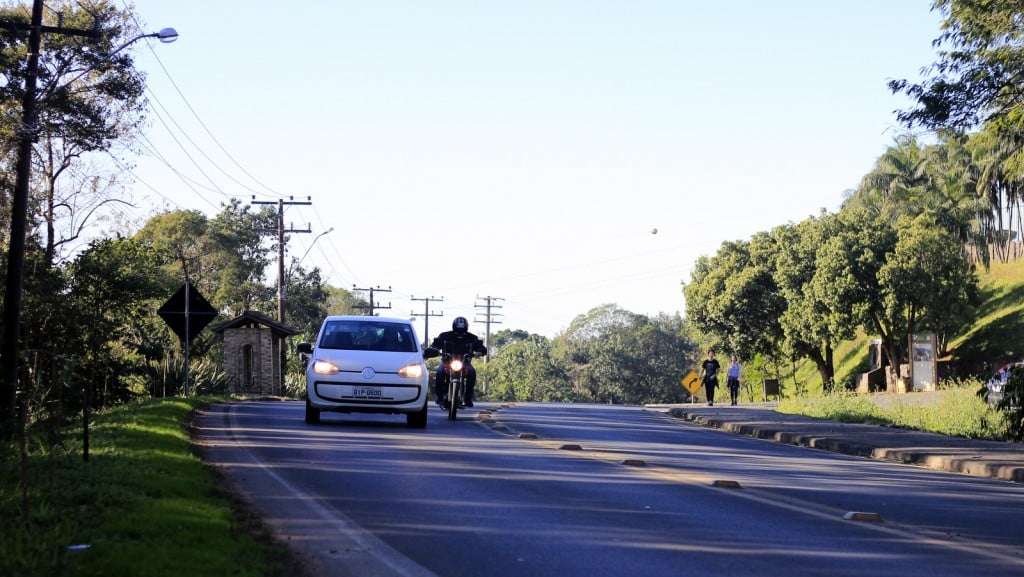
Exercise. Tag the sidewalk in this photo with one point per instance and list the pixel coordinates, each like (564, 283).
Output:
(978, 458)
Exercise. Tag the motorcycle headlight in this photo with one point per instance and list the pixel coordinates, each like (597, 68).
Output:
(411, 371)
(325, 368)
(456, 365)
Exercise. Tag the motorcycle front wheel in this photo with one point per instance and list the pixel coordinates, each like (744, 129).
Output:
(453, 397)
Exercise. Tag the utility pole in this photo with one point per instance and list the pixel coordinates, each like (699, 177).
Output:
(426, 314)
(489, 317)
(373, 308)
(27, 135)
(280, 230)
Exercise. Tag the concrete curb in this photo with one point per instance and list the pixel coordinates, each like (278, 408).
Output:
(937, 460)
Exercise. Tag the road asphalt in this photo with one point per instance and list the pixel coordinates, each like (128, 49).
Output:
(364, 495)
(994, 459)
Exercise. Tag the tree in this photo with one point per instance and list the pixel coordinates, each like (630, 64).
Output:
(240, 256)
(613, 355)
(925, 282)
(506, 337)
(733, 297)
(978, 75)
(809, 329)
(846, 277)
(87, 102)
(898, 182)
(525, 370)
(306, 300)
(343, 302)
(110, 284)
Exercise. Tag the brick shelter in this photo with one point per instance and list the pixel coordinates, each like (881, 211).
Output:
(253, 343)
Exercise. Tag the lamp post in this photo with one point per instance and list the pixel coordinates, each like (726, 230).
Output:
(316, 238)
(19, 201)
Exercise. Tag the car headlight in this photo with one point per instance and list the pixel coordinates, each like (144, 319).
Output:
(456, 365)
(411, 371)
(325, 368)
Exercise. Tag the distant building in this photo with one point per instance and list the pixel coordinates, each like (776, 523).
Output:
(252, 353)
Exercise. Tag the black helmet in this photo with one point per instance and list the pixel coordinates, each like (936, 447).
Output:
(460, 325)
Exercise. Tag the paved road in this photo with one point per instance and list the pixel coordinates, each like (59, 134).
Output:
(363, 495)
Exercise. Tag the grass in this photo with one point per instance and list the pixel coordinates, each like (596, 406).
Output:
(959, 411)
(145, 503)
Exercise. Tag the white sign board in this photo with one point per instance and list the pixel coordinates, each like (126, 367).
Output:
(923, 362)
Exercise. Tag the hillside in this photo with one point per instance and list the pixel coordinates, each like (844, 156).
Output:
(996, 335)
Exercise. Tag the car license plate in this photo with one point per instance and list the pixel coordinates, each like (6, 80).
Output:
(366, 392)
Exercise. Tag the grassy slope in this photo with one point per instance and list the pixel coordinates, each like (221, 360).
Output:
(145, 502)
(997, 334)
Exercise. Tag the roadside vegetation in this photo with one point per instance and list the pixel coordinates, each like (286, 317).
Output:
(144, 504)
(607, 355)
(904, 252)
(957, 411)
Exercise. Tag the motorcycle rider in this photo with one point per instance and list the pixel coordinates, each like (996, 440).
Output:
(458, 341)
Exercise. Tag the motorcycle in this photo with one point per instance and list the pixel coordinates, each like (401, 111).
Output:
(456, 370)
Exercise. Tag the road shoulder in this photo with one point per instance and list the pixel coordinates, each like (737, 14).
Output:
(990, 459)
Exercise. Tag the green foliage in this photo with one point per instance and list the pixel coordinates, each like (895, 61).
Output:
(613, 355)
(925, 281)
(958, 412)
(732, 297)
(145, 502)
(977, 76)
(166, 377)
(525, 370)
(607, 355)
(224, 256)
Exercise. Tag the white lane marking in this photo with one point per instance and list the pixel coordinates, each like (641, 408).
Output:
(366, 543)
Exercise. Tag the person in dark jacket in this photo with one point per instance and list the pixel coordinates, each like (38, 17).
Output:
(709, 375)
(458, 341)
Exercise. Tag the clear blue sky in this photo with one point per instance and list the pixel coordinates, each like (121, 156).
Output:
(459, 148)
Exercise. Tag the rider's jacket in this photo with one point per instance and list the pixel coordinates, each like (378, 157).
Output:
(455, 343)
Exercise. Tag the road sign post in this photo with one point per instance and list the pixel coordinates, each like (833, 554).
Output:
(187, 313)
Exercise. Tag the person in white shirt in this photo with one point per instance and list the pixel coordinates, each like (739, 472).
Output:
(734, 379)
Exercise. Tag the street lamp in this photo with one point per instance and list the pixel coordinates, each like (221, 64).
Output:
(165, 35)
(19, 201)
(316, 238)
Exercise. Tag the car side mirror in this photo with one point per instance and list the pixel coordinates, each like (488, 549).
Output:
(304, 348)
(430, 353)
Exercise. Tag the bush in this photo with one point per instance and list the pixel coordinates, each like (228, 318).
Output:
(959, 411)
(295, 383)
(167, 377)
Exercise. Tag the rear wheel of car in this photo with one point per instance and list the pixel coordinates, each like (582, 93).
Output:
(312, 414)
(417, 420)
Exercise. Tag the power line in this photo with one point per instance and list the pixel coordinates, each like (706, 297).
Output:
(337, 252)
(191, 184)
(187, 154)
(144, 183)
(198, 148)
(195, 114)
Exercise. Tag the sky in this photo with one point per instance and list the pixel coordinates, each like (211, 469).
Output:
(526, 150)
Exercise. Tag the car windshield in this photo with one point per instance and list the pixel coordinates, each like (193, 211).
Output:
(368, 336)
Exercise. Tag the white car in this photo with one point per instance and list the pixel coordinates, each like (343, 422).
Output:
(366, 365)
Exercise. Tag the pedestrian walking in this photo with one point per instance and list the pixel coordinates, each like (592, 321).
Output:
(709, 376)
(734, 379)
